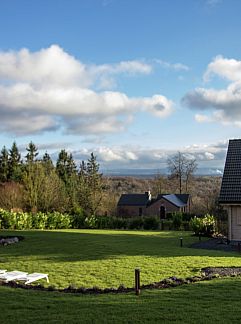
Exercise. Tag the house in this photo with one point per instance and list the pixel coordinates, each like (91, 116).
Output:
(132, 205)
(230, 193)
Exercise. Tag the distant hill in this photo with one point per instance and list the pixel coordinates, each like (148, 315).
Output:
(151, 173)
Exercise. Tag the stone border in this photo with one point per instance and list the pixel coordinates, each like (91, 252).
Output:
(208, 273)
(7, 240)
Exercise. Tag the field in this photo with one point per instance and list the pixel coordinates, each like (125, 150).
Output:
(107, 259)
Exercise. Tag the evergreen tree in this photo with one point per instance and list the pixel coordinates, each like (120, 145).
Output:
(47, 163)
(61, 165)
(90, 185)
(32, 153)
(71, 166)
(66, 170)
(4, 171)
(14, 163)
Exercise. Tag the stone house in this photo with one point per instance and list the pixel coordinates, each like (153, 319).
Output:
(133, 205)
(230, 193)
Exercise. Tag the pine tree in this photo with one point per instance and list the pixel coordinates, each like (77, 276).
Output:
(14, 163)
(61, 165)
(90, 185)
(4, 171)
(47, 163)
(32, 153)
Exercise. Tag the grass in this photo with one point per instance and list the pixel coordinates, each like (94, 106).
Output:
(106, 258)
(216, 301)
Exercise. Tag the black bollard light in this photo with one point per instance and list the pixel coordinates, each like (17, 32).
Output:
(137, 282)
(181, 241)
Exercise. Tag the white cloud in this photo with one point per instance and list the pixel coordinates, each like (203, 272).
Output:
(209, 156)
(50, 89)
(229, 69)
(172, 66)
(225, 103)
(206, 155)
(45, 67)
(104, 75)
(128, 67)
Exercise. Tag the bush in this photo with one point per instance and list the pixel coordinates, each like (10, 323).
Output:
(136, 223)
(103, 222)
(90, 222)
(39, 220)
(205, 226)
(119, 223)
(186, 225)
(177, 220)
(151, 223)
(78, 218)
(57, 220)
(166, 225)
(22, 220)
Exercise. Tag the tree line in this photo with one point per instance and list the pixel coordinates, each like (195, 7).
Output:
(36, 184)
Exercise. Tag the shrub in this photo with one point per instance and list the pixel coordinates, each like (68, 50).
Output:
(90, 222)
(186, 226)
(177, 220)
(205, 226)
(136, 223)
(22, 220)
(166, 225)
(7, 221)
(119, 223)
(39, 220)
(186, 217)
(151, 223)
(103, 222)
(78, 218)
(57, 220)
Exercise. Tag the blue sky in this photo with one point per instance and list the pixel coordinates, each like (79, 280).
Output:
(134, 81)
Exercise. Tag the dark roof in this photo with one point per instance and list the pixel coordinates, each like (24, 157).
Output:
(179, 200)
(231, 183)
(133, 200)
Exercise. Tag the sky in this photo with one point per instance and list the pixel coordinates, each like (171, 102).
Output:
(133, 81)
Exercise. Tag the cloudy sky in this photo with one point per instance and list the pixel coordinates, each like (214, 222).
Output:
(133, 81)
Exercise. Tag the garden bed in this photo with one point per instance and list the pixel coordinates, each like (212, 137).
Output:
(215, 244)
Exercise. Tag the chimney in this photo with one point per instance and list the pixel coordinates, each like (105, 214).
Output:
(148, 195)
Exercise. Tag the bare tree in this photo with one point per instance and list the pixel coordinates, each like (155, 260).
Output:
(181, 168)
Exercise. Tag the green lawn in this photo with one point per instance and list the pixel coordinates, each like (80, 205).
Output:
(106, 258)
(216, 301)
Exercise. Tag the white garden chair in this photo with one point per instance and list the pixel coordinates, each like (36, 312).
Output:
(29, 278)
(12, 275)
(2, 271)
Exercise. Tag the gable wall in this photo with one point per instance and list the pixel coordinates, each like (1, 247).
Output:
(154, 209)
(236, 223)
